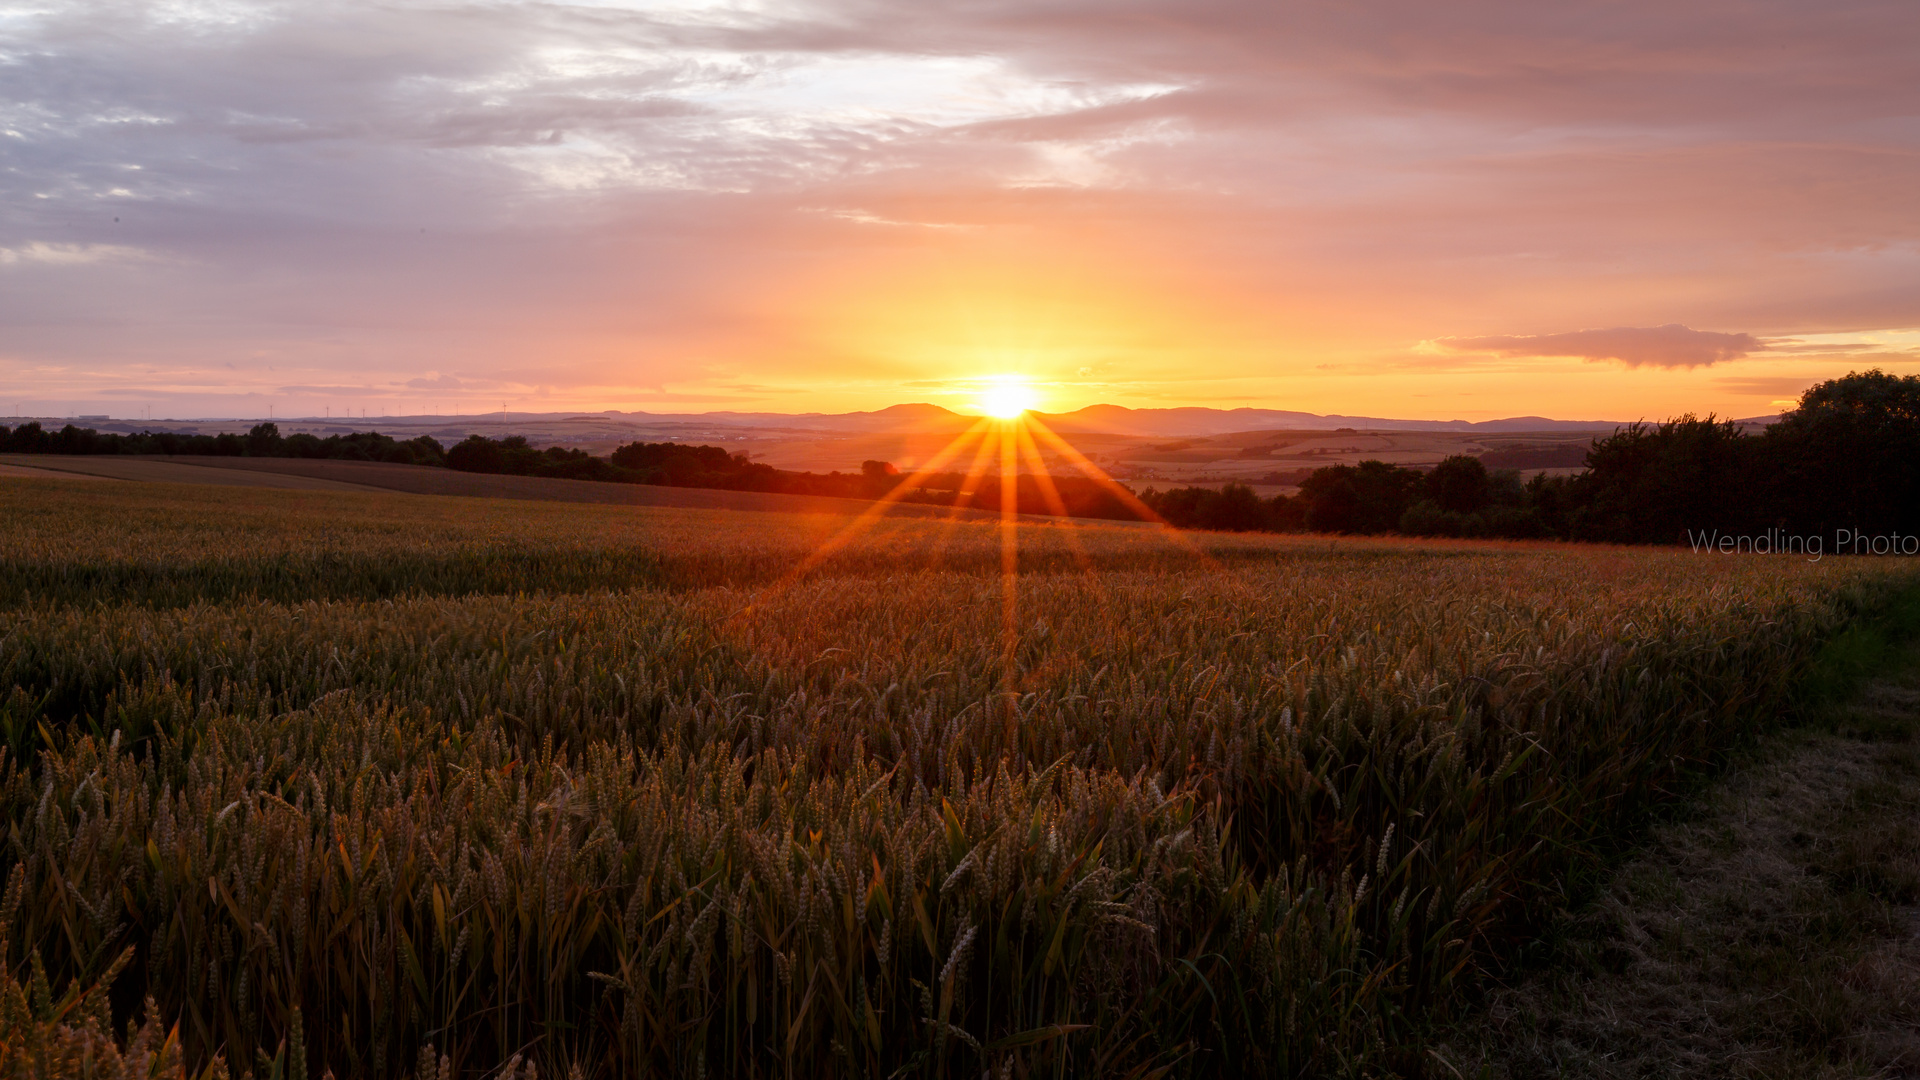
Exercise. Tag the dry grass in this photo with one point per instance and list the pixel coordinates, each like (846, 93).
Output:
(1774, 934)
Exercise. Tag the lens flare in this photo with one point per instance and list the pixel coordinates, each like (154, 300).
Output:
(1005, 397)
(1007, 433)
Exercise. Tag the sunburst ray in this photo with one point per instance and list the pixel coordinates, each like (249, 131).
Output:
(872, 514)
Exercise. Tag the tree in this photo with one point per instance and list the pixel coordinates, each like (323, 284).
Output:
(476, 453)
(263, 440)
(1653, 484)
(1845, 457)
(1460, 485)
(1369, 497)
(1234, 508)
(880, 476)
(1425, 518)
(426, 450)
(28, 438)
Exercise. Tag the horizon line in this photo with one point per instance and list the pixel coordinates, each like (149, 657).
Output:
(1343, 419)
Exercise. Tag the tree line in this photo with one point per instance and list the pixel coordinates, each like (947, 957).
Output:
(684, 465)
(1843, 459)
(664, 463)
(264, 440)
(667, 464)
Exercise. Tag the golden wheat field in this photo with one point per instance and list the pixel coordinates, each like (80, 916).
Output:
(396, 785)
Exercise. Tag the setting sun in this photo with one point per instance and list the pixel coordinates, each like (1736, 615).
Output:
(1007, 396)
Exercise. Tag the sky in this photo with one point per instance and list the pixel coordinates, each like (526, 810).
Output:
(1618, 209)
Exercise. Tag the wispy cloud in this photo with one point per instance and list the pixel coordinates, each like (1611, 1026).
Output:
(1866, 345)
(334, 391)
(1778, 387)
(436, 381)
(1669, 346)
(59, 254)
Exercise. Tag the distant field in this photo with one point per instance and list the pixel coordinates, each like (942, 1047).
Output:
(423, 480)
(1242, 457)
(1257, 458)
(161, 471)
(664, 791)
(21, 472)
(371, 476)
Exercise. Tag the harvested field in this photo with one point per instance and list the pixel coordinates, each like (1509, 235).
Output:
(423, 480)
(165, 471)
(373, 476)
(23, 472)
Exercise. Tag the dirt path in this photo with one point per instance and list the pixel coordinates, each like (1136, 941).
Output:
(1775, 934)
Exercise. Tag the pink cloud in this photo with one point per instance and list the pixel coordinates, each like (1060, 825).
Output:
(1669, 346)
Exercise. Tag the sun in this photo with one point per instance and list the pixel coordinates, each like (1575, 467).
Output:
(1005, 397)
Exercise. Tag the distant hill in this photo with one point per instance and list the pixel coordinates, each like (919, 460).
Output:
(1117, 420)
(917, 417)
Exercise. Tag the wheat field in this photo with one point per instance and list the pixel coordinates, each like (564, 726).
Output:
(392, 785)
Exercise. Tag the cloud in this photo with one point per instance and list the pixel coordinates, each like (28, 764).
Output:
(608, 196)
(1784, 386)
(444, 382)
(57, 254)
(1669, 346)
(1899, 345)
(1795, 345)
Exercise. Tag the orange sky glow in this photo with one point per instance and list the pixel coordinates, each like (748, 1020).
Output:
(1397, 210)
